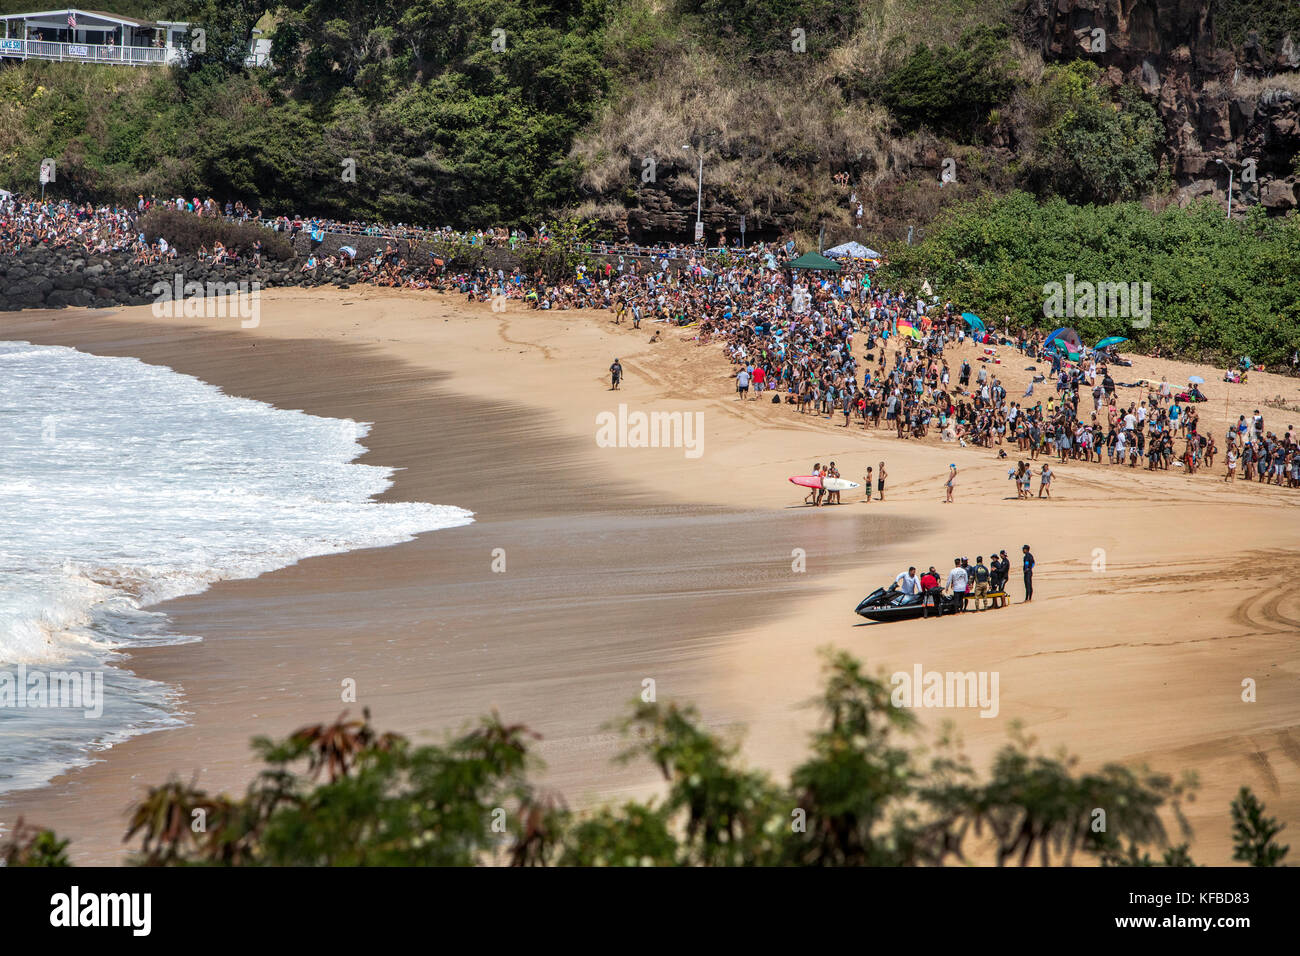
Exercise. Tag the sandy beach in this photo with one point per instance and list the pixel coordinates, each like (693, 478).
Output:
(1156, 595)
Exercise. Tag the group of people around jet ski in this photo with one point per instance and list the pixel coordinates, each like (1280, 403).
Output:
(965, 579)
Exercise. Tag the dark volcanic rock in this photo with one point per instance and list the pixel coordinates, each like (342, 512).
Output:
(1216, 102)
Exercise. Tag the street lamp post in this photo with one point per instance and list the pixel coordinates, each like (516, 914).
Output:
(1231, 172)
(699, 194)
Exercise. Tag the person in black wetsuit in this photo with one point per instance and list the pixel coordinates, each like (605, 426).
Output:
(1029, 573)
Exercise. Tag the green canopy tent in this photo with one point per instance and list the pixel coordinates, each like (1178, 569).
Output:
(814, 261)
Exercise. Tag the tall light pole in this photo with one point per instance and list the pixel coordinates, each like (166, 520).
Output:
(1231, 172)
(699, 195)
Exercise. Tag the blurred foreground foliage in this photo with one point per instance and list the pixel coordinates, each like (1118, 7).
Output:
(864, 795)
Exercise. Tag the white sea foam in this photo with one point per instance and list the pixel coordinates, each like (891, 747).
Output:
(125, 484)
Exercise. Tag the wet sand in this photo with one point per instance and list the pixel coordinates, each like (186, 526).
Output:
(624, 564)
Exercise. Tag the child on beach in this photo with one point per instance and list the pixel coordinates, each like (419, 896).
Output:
(1045, 483)
(866, 484)
(952, 480)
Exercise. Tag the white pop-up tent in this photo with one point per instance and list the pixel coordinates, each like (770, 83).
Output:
(851, 250)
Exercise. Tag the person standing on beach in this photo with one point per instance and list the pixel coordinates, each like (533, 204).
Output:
(958, 582)
(814, 494)
(880, 481)
(1045, 482)
(742, 383)
(832, 497)
(952, 480)
(1029, 563)
(929, 585)
(981, 582)
(866, 483)
(616, 374)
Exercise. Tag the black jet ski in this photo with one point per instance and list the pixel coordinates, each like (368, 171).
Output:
(890, 604)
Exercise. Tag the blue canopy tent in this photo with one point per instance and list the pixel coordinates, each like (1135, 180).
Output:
(852, 250)
(1065, 340)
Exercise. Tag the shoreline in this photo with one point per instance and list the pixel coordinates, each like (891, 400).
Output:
(520, 389)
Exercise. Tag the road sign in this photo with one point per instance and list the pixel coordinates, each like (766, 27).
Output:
(742, 225)
(47, 171)
(699, 231)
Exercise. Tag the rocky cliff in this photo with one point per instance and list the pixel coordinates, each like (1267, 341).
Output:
(1218, 101)
(1223, 92)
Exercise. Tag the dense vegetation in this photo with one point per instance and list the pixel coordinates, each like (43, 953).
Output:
(344, 794)
(437, 125)
(503, 112)
(1269, 20)
(1219, 289)
(487, 112)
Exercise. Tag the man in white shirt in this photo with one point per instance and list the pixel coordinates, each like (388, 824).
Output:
(908, 582)
(957, 578)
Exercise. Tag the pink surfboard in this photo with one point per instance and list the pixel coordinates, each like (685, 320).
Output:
(830, 484)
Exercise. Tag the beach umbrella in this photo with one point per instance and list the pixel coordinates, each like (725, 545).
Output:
(1110, 340)
(1196, 380)
(349, 250)
(974, 321)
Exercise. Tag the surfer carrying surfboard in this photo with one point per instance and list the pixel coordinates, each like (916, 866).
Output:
(814, 494)
(832, 497)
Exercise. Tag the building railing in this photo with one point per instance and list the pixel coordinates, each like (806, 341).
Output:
(83, 52)
(104, 53)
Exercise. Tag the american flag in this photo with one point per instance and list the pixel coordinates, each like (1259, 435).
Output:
(72, 20)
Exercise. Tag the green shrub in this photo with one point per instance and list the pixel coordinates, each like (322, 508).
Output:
(1087, 145)
(1219, 289)
(952, 88)
(187, 232)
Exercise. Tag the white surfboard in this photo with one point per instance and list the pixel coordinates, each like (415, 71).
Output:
(839, 484)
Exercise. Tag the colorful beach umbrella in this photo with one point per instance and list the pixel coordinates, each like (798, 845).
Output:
(974, 321)
(907, 328)
(1110, 340)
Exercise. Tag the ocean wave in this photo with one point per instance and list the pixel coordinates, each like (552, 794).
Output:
(128, 484)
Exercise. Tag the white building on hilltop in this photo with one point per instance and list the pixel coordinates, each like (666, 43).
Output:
(93, 36)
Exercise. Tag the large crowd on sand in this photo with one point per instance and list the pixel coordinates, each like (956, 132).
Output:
(834, 345)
